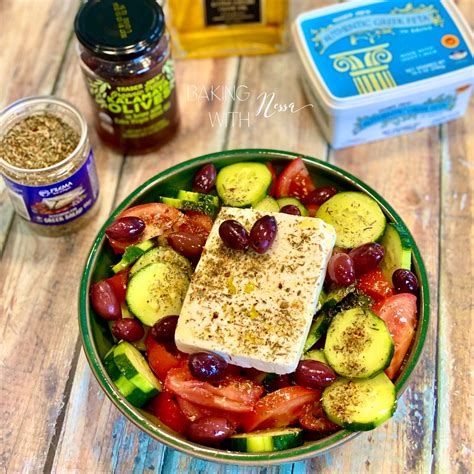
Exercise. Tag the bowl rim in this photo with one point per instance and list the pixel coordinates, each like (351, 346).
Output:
(219, 455)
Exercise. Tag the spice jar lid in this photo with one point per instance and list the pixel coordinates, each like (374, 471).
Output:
(119, 30)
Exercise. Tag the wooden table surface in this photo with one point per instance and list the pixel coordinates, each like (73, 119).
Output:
(54, 415)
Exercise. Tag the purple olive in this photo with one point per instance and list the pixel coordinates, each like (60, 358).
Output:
(163, 330)
(320, 195)
(187, 244)
(128, 329)
(234, 235)
(341, 269)
(405, 281)
(125, 229)
(263, 233)
(207, 366)
(314, 374)
(210, 430)
(104, 301)
(205, 179)
(291, 209)
(366, 257)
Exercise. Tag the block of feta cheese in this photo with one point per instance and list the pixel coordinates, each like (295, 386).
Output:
(253, 309)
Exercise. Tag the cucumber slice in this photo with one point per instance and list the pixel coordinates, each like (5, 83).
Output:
(356, 217)
(266, 440)
(129, 390)
(317, 330)
(198, 197)
(200, 206)
(267, 204)
(163, 254)
(156, 291)
(316, 354)
(243, 184)
(360, 405)
(135, 368)
(358, 344)
(131, 254)
(292, 201)
(397, 246)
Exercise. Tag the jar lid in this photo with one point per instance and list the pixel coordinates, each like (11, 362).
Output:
(119, 29)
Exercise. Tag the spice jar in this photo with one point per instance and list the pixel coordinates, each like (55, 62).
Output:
(47, 164)
(125, 57)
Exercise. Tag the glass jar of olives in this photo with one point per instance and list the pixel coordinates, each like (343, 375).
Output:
(125, 57)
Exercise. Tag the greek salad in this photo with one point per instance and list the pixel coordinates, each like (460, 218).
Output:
(354, 338)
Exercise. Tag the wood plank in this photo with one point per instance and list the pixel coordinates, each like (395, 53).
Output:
(41, 44)
(454, 433)
(110, 442)
(39, 346)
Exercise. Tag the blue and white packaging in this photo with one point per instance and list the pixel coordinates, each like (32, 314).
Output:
(378, 68)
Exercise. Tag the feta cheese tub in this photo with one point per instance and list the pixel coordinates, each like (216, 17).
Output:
(376, 68)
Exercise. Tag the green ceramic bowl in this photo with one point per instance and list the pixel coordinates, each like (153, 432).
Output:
(97, 339)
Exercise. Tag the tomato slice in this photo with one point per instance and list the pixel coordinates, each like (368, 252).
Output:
(235, 394)
(194, 412)
(281, 408)
(294, 180)
(161, 358)
(166, 408)
(273, 187)
(196, 223)
(399, 313)
(375, 285)
(159, 219)
(119, 285)
(313, 418)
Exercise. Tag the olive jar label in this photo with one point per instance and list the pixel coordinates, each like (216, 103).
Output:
(137, 110)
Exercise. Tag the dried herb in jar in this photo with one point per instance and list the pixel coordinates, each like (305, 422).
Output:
(38, 141)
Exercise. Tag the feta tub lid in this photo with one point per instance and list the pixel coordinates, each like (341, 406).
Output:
(362, 47)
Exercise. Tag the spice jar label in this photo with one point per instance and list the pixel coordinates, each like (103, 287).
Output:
(135, 110)
(60, 202)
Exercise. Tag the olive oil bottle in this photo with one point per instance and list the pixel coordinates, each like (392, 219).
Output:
(209, 28)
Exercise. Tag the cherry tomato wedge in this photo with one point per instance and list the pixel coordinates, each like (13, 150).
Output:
(313, 418)
(161, 358)
(294, 180)
(166, 408)
(272, 190)
(280, 409)
(375, 285)
(234, 394)
(399, 314)
(159, 219)
(119, 285)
